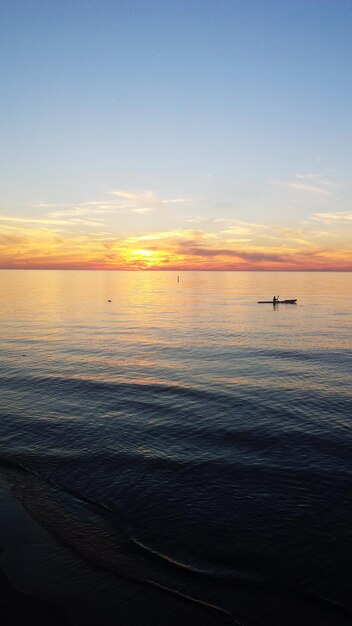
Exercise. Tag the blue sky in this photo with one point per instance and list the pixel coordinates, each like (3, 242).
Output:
(237, 110)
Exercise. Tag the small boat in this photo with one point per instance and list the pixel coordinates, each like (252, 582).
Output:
(277, 301)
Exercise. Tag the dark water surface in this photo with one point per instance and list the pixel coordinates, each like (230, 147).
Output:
(187, 440)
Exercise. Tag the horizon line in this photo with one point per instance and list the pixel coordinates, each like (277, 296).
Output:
(112, 269)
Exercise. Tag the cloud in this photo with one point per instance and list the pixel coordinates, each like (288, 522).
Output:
(143, 209)
(237, 254)
(56, 237)
(177, 201)
(94, 212)
(172, 235)
(144, 196)
(331, 217)
(91, 209)
(47, 205)
(198, 219)
(312, 182)
(72, 212)
(49, 221)
(239, 240)
(174, 249)
(6, 239)
(306, 187)
(238, 230)
(146, 200)
(317, 178)
(29, 220)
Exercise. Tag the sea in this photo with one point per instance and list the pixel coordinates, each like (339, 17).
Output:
(189, 447)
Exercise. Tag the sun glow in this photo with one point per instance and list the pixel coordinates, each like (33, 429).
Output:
(147, 253)
(319, 243)
(142, 258)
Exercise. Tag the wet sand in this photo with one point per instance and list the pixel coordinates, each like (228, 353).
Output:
(42, 582)
(22, 541)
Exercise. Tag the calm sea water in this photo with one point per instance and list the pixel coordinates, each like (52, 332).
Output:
(186, 439)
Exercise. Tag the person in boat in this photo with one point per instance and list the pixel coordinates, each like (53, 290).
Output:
(275, 299)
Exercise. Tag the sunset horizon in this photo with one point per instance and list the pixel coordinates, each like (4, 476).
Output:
(227, 244)
(176, 135)
(176, 307)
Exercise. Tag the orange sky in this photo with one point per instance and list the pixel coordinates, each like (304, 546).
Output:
(124, 234)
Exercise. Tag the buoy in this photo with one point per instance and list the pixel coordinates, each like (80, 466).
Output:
(109, 300)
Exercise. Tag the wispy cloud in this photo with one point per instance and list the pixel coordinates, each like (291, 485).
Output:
(56, 235)
(146, 201)
(48, 221)
(306, 187)
(11, 239)
(177, 201)
(317, 178)
(90, 212)
(47, 205)
(313, 183)
(173, 249)
(72, 212)
(29, 220)
(198, 219)
(169, 235)
(344, 217)
(144, 196)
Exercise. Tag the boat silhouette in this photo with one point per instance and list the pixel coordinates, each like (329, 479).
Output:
(292, 301)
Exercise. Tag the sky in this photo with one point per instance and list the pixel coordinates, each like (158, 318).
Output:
(176, 134)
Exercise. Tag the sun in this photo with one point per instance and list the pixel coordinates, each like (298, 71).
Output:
(142, 258)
